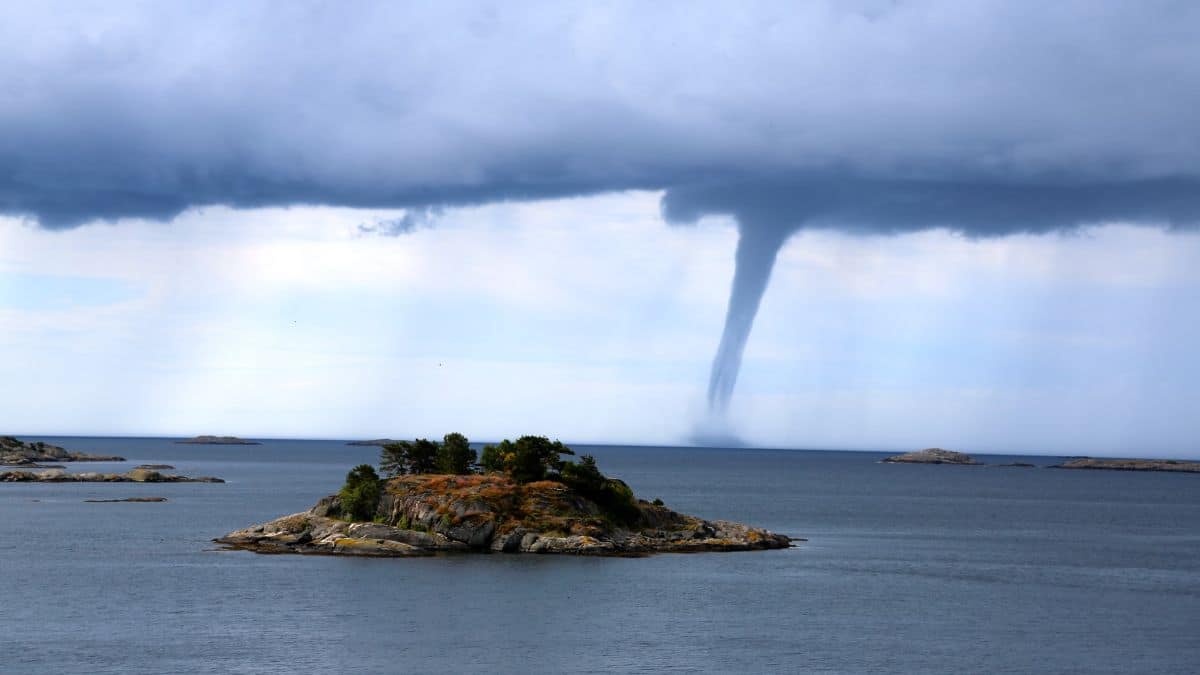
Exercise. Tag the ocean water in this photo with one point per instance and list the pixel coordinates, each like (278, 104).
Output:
(907, 569)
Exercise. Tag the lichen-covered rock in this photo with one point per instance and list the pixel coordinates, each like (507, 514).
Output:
(420, 515)
(931, 456)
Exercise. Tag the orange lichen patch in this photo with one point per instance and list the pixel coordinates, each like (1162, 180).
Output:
(494, 492)
(444, 501)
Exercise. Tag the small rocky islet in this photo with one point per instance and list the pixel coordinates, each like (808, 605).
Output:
(932, 456)
(519, 497)
(15, 452)
(1108, 464)
(29, 455)
(128, 500)
(940, 456)
(427, 514)
(132, 476)
(216, 440)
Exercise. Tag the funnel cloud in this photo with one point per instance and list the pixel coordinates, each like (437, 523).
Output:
(769, 212)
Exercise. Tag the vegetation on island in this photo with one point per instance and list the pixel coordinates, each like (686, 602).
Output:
(452, 456)
(529, 459)
(360, 495)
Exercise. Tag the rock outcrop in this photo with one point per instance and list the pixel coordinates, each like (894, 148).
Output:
(216, 440)
(1131, 465)
(931, 456)
(423, 515)
(137, 500)
(134, 476)
(14, 452)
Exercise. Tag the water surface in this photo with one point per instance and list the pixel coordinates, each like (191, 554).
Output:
(908, 568)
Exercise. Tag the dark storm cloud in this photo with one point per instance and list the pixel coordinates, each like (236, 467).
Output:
(924, 113)
(985, 117)
(974, 208)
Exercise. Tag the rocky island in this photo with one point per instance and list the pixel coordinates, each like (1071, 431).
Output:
(374, 441)
(1130, 465)
(932, 456)
(127, 500)
(14, 452)
(526, 501)
(217, 440)
(134, 476)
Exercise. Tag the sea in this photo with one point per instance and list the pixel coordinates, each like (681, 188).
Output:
(902, 569)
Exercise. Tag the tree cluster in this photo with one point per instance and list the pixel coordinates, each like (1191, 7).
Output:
(529, 459)
(525, 460)
(534, 458)
(360, 495)
(453, 455)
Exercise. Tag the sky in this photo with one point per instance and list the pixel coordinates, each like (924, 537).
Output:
(862, 225)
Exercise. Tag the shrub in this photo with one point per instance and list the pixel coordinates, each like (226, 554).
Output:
(584, 477)
(613, 496)
(360, 495)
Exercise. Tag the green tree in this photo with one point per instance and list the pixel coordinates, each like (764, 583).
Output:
(492, 458)
(360, 495)
(393, 459)
(455, 455)
(534, 458)
(422, 456)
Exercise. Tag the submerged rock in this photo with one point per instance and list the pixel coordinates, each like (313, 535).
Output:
(14, 452)
(1173, 465)
(422, 515)
(931, 456)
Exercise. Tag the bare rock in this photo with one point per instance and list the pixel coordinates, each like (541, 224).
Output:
(14, 452)
(932, 456)
(216, 440)
(134, 476)
(1172, 465)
